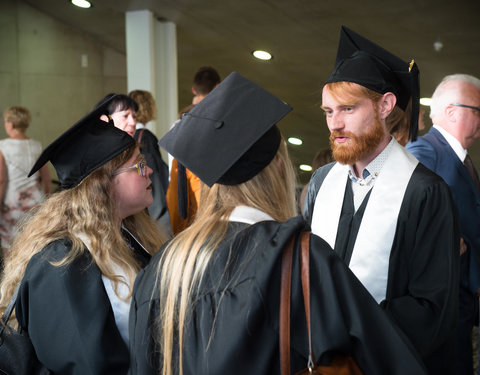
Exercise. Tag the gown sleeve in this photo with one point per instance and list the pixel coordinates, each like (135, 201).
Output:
(424, 299)
(143, 311)
(345, 318)
(69, 319)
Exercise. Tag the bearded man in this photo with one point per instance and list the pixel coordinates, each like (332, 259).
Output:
(386, 215)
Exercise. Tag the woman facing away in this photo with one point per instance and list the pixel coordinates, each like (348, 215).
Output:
(208, 303)
(18, 193)
(77, 255)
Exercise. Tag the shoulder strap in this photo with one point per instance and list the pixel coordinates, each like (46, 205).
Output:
(140, 133)
(285, 292)
(305, 270)
(285, 288)
(10, 306)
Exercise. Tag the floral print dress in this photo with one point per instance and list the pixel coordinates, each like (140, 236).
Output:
(22, 192)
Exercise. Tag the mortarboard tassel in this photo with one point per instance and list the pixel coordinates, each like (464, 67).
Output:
(182, 190)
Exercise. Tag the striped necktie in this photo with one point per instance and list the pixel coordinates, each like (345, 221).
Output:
(471, 170)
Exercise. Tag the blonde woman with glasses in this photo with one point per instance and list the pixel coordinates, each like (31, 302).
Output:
(77, 256)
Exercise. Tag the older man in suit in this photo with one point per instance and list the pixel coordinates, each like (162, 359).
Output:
(455, 112)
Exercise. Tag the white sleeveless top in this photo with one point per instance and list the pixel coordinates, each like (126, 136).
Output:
(20, 155)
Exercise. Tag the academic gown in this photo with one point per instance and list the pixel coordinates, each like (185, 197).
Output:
(237, 332)
(68, 316)
(423, 274)
(149, 148)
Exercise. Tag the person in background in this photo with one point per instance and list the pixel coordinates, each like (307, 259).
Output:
(398, 123)
(184, 189)
(455, 113)
(209, 301)
(149, 147)
(390, 218)
(76, 256)
(205, 80)
(123, 111)
(18, 193)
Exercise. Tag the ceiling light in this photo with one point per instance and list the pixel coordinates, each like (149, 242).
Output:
(81, 3)
(305, 167)
(437, 46)
(262, 55)
(295, 141)
(426, 101)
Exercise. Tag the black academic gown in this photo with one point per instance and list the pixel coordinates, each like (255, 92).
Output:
(68, 316)
(237, 332)
(149, 147)
(422, 285)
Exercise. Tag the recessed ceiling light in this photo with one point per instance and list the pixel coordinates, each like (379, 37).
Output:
(81, 3)
(295, 141)
(426, 101)
(305, 167)
(262, 55)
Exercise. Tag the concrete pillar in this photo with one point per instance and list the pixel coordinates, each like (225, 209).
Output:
(152, 64)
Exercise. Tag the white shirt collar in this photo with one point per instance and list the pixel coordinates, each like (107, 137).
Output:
(453, 142)
(248, 215)
(375, 166)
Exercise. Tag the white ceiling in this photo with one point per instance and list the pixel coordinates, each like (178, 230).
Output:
(303, 37)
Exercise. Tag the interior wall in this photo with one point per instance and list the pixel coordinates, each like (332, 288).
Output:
(57, 72)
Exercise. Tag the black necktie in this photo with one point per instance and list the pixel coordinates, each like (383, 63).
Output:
(471, 170)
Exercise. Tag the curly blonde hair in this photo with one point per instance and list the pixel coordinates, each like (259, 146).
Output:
(88, 208)
(146, 105)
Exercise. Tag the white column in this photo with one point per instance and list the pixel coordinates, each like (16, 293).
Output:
(166, 80)
(152, 64)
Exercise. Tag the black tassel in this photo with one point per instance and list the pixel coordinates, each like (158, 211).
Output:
(182, 190)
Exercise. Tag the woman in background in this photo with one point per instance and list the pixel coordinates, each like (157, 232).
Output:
(146, 112)
(18, 193)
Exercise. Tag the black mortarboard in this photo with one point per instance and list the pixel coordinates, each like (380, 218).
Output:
(230, 136)
(84, 147)
(367, 64)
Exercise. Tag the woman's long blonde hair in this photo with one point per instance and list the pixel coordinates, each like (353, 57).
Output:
(186, 257)
(89, 209)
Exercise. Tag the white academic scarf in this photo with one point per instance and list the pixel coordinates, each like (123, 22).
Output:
(248, 215)
(371, 252)
(120, 307)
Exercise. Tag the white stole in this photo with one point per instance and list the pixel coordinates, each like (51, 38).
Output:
(371, 252)
(120, 307)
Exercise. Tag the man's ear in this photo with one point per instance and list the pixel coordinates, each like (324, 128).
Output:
(386, 104)
(450, 113)
(104, 118)
(194, 92)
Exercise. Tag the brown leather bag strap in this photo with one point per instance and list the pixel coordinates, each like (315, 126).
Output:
(285, 293)
(285, 288)
(305, 271)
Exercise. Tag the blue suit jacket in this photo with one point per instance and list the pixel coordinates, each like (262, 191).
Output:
(435, 153)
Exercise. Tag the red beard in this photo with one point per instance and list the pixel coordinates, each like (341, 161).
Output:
(357, 147)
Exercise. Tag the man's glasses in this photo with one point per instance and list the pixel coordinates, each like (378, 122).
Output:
(467, 106)
(141, 168)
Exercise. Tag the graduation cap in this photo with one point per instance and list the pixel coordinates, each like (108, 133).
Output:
(230, 136)
(367, 64)
(87, 145)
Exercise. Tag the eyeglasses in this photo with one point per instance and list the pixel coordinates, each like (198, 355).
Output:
(467, 106)
(141, 168)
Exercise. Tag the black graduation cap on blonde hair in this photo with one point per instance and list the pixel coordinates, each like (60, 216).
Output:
(363, 62)
(231, 135)
(86, 146)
